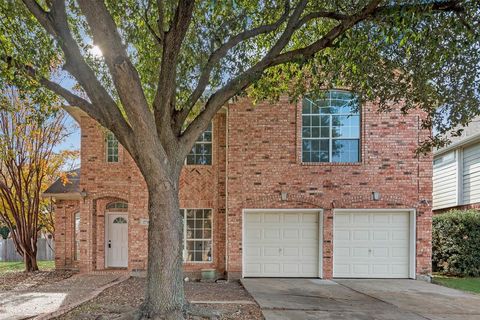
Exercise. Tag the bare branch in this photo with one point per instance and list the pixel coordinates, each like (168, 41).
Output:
(41, 15)
(164, 101)
(160, 19)
(157, 37)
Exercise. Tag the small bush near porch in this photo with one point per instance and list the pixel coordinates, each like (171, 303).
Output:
(456, 243)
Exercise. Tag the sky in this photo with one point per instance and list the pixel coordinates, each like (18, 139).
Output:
(73, 140)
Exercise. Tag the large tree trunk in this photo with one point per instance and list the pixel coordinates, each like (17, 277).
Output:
(165, 297)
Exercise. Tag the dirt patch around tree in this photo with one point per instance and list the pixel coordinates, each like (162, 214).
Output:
(20, 280)
(128, 295)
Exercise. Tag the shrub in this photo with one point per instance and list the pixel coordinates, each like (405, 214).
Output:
(456, 243)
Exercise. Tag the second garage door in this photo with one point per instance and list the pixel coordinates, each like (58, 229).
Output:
(281, 244)
(371, 244)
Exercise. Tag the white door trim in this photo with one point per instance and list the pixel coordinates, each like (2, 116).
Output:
(106, 235)
(320, 233)
(412, 230)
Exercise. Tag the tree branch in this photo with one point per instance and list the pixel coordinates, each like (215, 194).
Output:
(160, 19)
(215, 57)
(55, 23)
(158, 38)
(124, 75)
(164, 101)
(218, 99)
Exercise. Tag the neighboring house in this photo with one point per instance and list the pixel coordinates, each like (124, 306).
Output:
(456, 171)
(318, 188)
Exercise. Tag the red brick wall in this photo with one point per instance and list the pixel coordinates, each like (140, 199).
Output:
(200, 187)
(264, 159)
(64, 234)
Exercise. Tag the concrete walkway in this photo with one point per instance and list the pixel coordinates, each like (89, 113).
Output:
(40, 302)
(308, 299)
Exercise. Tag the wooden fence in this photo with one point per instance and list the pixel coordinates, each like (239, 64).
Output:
(45, 250)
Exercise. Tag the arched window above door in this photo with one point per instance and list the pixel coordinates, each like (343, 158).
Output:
(120, 220)
(123, 206)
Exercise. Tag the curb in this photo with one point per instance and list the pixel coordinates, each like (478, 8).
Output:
(69, 307)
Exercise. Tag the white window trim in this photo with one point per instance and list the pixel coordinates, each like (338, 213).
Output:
(107, 148)
(331, 138)
(185, 250)
(444, 163)
(76, 246)
(211, 143)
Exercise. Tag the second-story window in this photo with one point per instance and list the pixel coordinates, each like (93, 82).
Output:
(201, 153)
(111, 147)
(331, 127)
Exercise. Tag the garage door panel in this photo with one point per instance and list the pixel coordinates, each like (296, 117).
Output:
(287, 246)
(381, 219)
(361, 218)
(291, 234)
(371, 244)
(254, 251)
(380, 235)
(359, 235)
(271, 234)
(271, 217)
(311, 217)
(253, 234)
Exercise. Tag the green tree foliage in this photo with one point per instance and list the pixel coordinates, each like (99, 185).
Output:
(456, 243)
(167, 67)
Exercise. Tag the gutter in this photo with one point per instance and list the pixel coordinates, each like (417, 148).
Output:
(461, 143)
(63, 196)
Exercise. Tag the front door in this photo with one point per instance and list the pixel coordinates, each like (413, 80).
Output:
(117, 240)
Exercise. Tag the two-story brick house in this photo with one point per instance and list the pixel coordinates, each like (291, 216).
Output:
(320, 188)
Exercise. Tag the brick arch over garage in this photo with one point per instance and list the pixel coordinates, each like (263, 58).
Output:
(309, 201)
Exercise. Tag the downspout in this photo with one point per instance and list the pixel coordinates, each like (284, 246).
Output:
(226, 189)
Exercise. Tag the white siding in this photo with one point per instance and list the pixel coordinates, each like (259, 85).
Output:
(445, 185)
(471, 174)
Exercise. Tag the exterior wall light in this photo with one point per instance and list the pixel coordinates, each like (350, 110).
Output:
(375, 196)
(83, 194)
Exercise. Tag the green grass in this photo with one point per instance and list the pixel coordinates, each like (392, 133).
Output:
(19, 266)
(465, 284)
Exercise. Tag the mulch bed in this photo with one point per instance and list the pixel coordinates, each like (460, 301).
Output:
(129, 294)
(23, 280)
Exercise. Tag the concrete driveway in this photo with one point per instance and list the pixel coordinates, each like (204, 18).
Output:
(308, 299)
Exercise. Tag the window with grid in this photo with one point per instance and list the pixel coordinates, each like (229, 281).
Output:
(112, 147)
(197, 235)
(76, 236)
(331, 127)
(201, 152)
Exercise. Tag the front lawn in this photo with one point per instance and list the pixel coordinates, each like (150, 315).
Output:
(465, 284)
(20, 266)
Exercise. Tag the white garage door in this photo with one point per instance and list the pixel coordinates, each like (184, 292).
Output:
(371, 244)
(281, 244)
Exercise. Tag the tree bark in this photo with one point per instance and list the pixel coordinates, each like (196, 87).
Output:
(30, 262)
(165, 297)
